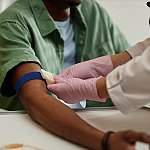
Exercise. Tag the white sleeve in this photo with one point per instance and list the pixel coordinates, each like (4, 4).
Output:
(138, 48)
(129, 85)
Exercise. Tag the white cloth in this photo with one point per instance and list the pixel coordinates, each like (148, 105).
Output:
(5, 3)
(129, 85)
(138, 48)
(67, 34)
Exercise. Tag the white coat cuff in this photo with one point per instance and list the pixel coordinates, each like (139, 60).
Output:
(113, 82)
(139, 48)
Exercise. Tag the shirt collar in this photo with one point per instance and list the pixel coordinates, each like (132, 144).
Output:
(44, 21)
(76, 13)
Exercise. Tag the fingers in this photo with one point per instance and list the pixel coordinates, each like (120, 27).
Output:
(52, 87)
(60, 79)
(58, 83)
(66, 72)
(63, 74)
(61, 84)
(132, 137)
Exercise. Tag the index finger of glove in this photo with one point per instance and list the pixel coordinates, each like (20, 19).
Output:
(60, 79)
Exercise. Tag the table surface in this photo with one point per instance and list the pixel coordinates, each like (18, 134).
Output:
(19, 128)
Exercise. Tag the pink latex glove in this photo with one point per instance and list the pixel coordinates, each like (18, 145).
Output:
(73, 90)
(94, 68)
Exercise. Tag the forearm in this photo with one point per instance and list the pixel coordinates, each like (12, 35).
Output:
(102, 88)
(132, 52)
(52, 114)
(61, 120)
(120, 59)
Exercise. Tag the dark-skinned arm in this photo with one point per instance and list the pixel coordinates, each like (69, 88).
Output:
(51, 113)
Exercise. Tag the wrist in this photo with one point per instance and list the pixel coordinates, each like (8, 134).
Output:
(120, 59)
(101, 88)
(102, 65)
(105, 140)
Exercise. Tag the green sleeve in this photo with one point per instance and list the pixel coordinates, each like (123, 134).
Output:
(15, 48)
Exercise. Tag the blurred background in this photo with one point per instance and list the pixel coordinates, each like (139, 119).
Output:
(132, 16)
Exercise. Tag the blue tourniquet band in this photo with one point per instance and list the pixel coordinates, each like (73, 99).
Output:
(27, 77)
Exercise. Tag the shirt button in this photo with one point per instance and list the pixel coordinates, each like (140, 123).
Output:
(81, 42)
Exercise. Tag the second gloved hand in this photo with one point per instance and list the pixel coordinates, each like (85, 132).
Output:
(73, 90)
(94, 68)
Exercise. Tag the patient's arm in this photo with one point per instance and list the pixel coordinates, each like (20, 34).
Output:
(51, 113)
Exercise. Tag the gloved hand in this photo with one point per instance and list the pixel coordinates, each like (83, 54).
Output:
(94, 68)
(73, 90)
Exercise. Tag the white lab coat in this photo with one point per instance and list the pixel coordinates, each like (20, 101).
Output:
(129, 85)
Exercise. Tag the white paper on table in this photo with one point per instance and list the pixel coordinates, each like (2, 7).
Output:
(21, 129)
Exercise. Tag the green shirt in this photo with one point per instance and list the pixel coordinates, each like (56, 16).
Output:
(28, 34)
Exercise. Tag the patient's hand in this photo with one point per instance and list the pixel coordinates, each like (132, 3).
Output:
(126, 140)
